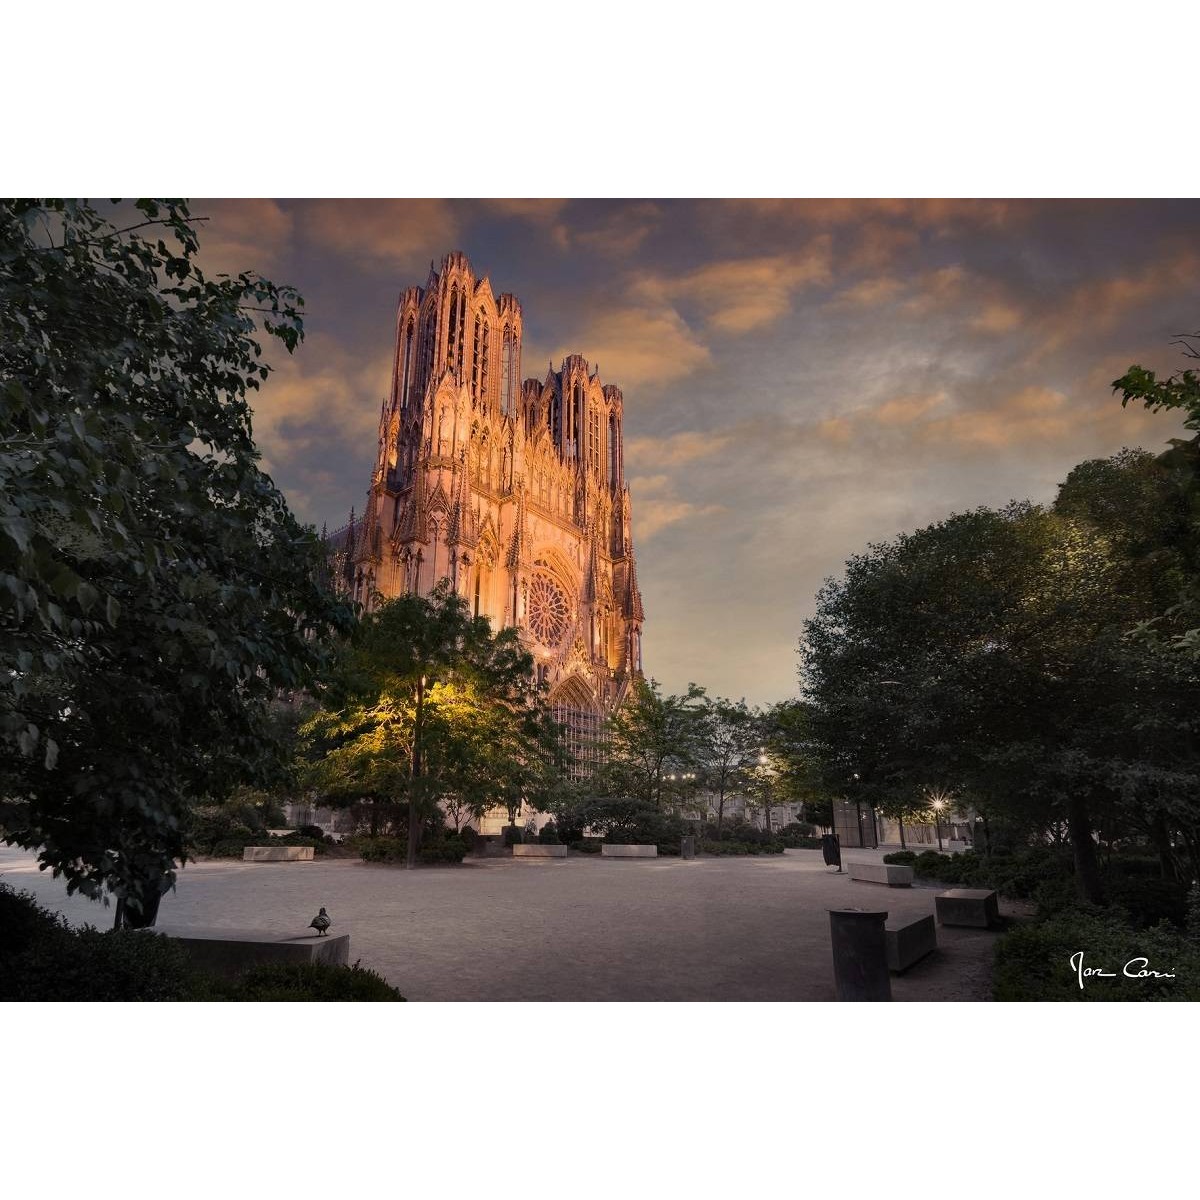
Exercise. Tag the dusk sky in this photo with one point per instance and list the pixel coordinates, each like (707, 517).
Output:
(800, 377)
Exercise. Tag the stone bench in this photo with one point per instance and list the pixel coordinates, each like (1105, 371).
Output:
(228, 952)
(975, 907)
(892, 874)
(909, 939)
(277, 854)
(539, 850)
(624, 851)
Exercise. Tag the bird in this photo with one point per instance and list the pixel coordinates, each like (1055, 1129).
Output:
(321, 922)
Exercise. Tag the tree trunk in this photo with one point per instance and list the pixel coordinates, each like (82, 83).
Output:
(768, 807)
(1160, 835)
(1083, 848)
(720, 811)
(414, 816)
(903, 843)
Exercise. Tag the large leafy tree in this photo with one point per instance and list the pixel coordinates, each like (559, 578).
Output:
(650, 737)
(1177, 624)
(986, 654)
(428, 702)
(155, 591)
(725, 749)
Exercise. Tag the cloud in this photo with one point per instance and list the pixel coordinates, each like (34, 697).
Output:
(623, 233)
(316, 407)
(643, 344)
(386, 235)
(869, 292)
(544, 214)
(938, 215)
(655, 507)
(1098, 306)
(243, 235)
(996, 317)
(675, 450)
(738, 295)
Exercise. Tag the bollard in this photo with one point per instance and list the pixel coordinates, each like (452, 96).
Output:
(687, 847)
(860, 967)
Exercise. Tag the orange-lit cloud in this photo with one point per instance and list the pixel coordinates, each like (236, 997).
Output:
(391, 235)
(676, 450)
(243, 235)
(738, 295)
(642, 345)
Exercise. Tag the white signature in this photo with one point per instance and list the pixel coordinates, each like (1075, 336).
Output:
(1135, 968)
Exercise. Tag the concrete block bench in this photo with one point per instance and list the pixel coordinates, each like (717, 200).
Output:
(892, 874)
(539, 850)
(607, 851)
(230, 951)
(909, 939)
(975, 907)
(277, 854)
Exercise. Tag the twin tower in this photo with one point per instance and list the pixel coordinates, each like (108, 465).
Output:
(513, 490)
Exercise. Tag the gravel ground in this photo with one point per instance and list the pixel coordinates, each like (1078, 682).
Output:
(754, 928)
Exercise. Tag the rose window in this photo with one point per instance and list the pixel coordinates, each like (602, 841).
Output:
(549, 611)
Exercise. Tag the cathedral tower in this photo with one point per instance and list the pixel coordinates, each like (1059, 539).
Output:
(514, 491)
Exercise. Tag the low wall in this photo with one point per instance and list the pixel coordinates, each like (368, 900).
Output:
(539, 850)
(277, 854)
(628, 851)
(228, 952)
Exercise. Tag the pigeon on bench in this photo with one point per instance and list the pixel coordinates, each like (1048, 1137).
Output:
(320, 922)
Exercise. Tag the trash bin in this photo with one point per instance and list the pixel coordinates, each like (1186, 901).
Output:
(860, 967)
(830, 849)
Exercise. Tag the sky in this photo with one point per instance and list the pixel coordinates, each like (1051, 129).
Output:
(801, 378)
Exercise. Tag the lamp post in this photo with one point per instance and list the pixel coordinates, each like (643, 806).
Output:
(938, 805)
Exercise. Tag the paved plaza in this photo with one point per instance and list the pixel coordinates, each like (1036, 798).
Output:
(583, 928)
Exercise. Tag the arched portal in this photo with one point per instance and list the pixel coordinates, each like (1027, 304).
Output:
(576, 707)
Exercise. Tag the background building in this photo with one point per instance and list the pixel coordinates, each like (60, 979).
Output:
(514, 491)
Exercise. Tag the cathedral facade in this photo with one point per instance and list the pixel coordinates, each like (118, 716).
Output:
(511, 489)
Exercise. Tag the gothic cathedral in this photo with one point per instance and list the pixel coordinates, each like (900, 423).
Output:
(514, 491)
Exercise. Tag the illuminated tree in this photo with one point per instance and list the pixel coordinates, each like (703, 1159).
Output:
(426, 703)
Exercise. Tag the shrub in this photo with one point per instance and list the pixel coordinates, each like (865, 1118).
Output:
(382, 849)
(43, 958)
(548, 834)
(797, 834)
(1034, 961)
(470, 837)
(442, 850)
(1149, 901)
(904, 857)
(587, 845)
(321, 982)
(309, 981)
(724, 847)
(512, 835)
(312, 831)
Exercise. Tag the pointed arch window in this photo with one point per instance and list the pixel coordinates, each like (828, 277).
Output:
(406, 376)
(452, 339)
(508, 370)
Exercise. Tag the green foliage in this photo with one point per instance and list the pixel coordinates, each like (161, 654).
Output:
(428, 703)
(548, 834)
(155, 590)
(799, 835)
(988, 654)
(43, 959)
(650, 737)
(904, 858)
(381, 849)
(727, 846)
(450, 849)
(1033, 962)
(310, 981)
(470, 837)
(588, 845)
(512, 835)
